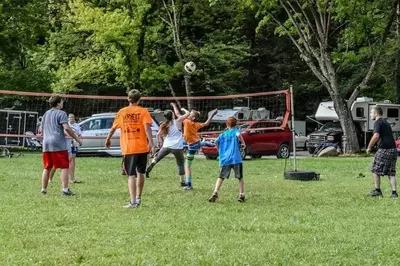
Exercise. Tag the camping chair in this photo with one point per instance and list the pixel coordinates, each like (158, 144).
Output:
(32, 142)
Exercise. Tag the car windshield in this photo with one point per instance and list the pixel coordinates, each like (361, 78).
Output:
(214, 126)
(243, 126)
(331, 126)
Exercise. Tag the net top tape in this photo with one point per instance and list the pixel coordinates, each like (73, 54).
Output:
(94, 97)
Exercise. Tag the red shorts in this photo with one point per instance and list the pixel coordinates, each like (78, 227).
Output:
(55, 159)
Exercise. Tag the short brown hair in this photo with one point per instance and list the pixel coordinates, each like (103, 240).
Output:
(231, 122)
(134, 96)
(55, 100)
(378, 110)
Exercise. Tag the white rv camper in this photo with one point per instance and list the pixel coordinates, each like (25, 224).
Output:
(241, 114)
(360, 111)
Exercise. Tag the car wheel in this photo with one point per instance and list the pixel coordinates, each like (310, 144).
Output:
(211, 158)
(283, 152)
(311, 150)
(305, 146)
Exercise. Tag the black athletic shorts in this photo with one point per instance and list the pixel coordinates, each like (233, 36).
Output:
(135, 163)
(225, 171)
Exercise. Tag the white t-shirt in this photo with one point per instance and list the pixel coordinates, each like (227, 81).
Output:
(174, 139)
(77, 130)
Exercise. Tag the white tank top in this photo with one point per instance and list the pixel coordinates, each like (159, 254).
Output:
(174, 138)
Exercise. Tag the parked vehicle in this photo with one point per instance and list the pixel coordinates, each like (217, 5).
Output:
(301, 142)
(99, 125)
(259, 142)
(360, 110)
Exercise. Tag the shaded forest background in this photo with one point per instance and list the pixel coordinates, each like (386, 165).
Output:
(105, 47)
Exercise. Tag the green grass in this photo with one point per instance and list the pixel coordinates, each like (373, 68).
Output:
(326, 222)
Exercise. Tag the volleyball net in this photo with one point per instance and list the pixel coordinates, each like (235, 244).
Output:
(21, 112)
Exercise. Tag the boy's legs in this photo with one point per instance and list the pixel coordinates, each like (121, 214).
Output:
(47, 166)
(129, 169)
(192, 149)
(72, 166)
(141, 163)
(52, 161)
(52, 172)
(224, 173)
(180, 162)
(238, 168)
(135, 165)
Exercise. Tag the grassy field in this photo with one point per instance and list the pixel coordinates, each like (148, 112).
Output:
(326, 222)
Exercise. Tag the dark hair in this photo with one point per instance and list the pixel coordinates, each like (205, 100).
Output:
(378, 110)
(231, 122)
(134, 96)
(164, 127)
(55, 100)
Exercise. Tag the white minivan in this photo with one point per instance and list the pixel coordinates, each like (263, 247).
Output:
(99, 125)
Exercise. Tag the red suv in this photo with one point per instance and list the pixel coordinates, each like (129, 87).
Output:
(259, 142)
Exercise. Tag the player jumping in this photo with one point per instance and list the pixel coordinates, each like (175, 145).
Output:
(173, 142)
(191, 128)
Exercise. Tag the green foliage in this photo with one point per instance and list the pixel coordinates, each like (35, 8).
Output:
(22, 30)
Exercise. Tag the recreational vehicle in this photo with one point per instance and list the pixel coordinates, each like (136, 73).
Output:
(360, 110)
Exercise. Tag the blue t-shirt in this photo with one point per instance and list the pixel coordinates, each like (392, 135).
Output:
(229, 147)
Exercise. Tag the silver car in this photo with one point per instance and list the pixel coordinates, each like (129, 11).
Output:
(99, 126)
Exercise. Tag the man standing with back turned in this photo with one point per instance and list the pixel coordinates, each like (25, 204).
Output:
(136, 140)
(55, 145)
(386, 157)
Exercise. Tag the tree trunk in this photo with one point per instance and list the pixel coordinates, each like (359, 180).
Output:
(350, 143)
(188, 88)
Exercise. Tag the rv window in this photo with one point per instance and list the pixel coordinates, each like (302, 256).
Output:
(392, 112)
(360, 112)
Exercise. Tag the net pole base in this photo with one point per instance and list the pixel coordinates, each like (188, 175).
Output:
(301, 175)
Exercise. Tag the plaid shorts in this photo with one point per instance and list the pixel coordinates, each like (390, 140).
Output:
(385, 162)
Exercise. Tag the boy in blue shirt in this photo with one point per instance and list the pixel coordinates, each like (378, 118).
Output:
(228, 145)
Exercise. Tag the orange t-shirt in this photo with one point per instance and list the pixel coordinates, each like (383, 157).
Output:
(132, 120)
(190, 131)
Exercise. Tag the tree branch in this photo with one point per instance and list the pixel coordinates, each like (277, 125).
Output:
(307, 18)
(306, 44)
(316, 19)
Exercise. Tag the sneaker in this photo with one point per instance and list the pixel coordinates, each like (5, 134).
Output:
(183, 184)
(213, 197)
(43, 191)
(241, 198)
(188, 187)
(375, 193)
(394, 195)
(131, 205)
(67, 193)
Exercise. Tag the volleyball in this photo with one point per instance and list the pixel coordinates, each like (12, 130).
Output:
(190, 67)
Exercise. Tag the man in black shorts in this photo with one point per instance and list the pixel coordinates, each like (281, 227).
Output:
(386, 157)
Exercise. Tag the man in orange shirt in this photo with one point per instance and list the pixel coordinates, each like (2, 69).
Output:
(191, 127)
(136, 141)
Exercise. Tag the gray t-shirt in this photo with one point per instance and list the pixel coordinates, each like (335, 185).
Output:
(53, 131)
